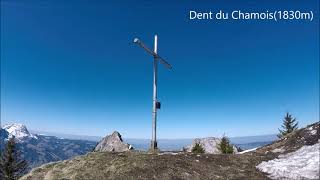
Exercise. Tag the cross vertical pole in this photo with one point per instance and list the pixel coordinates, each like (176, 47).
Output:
(156, 104)
(154, 110)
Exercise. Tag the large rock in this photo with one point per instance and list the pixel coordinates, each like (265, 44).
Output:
(113, 143)
(209, 144)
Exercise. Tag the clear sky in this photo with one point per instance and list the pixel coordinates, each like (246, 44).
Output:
(71, 67)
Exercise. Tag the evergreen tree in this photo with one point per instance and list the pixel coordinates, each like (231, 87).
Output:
(11, 165)
(224, 146)
(197, 148)
(289, 125)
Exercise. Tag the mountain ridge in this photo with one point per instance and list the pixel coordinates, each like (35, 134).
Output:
(39, 149)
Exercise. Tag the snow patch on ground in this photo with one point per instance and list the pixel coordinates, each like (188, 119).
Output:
(171, 153)
(313, 132)
(301, 164)
(248, 150)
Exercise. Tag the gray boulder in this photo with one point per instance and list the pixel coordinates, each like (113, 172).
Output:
(113, 143)
(209, 144)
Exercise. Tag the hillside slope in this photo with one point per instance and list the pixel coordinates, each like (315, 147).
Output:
(137, 165)
(140, 165)
(303, 137)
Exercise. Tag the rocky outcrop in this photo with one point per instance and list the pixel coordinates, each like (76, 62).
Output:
(113, 143)
(209, 144)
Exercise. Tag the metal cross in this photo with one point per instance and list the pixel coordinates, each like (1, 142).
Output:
(156, 103)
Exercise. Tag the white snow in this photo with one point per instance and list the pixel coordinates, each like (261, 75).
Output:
(19, 131)
(313, 132)
(301, 164)
(248, 150)
(172, 153)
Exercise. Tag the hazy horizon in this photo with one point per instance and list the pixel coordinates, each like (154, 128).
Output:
(84, 135)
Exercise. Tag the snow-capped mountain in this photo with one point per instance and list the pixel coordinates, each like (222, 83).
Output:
(19, 131)
(38, 149)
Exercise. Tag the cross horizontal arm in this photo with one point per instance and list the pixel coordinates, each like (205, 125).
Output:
(141, 44)
(162, 61)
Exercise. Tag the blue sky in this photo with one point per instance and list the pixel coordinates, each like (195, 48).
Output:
(71, 67)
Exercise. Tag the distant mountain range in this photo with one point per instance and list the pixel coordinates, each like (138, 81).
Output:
(39, 149)
(245, 142)
(68, 136)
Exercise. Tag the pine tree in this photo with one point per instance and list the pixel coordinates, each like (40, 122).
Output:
(289, 125)
(197, 148)
(224, 146)
(11, 165)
